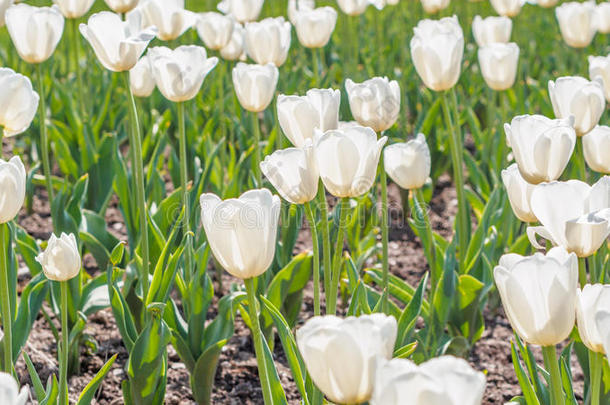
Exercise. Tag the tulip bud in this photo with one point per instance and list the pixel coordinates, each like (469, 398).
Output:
(74, 8)
(18, 102)
(576, 96)
(60, 261)
(342, 355)
(296, 6)
(234, 50)
(255, 85)
(169, 17)
(179, 73)
(35, 31)
(315, 27)
(498, 64)
(348, 159)
(599, 69)
(121, 6)
(589, 301)
(597, 149)
(215, 29)
(437, 49)
(374, 103)
(268, 41)
(434, 6)
(353, 7)
(12, 188)
(602, 17)
(9, 391)
(242, 231)
(4, 5)
(507, 8)
(490, 30)
(408, 163)
(443, 380)
(576, 23)
(541, 146)
(539, 294)
(242, 10)
(519, 193)
(141, 80)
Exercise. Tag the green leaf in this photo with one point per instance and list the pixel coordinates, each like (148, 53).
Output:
(405, 351)
(88, 392)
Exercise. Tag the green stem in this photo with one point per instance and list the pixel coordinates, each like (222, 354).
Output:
(582, 271)
(63, 360)
(580, 159)
(79, 76)
(316, 67)
(316, 258)
(44, 142)
(325, 237)
(384, 235)
(257, 150)
(7, 319)
(418, 198)
(552, 366)
(331, 298)
(184, 185)
(595, 370)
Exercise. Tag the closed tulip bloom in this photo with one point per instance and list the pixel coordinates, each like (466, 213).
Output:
(234, 49)
(507, 8)
(589, 301)
(141, 80)
(9, 391)
(498, 64)
(375, 102)
(539, 294)
(242, 10)
(255, 85)
(597, 149)
(314, 27)
(35, 31)
(215, 29)
(599, 69)
(12, 188)
(268, 41)
(434, 6)
(602, 17)
(342, 355)
(4, 5)
(179, 73)
(60, 261)
(117, 44)
(577, 23)
(541, 146)
(444, 380)
(602, 321)
(18, 102)
(353, 7)
(490, 30)
(242, 231)
(437, 49)
(296, 6)
(547, 3)
(408, 163)
(74, 8)
(348, 159)
(169, 16)
(519, 193)
(578, 97)
(122, 6)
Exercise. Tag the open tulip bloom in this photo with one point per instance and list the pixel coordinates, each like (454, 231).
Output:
(507, 8)
(215, 29)
(10, 393)
(314, 27)
(498, 62)
(577, 23)
(234, 49)
(18, 102)
(596, 146)
(74, 8)
(519, 193)
(578, 97)
(375, 102)
(599, 69)
(141, 79)
(354, 7)
(296, 6)
(491, 30)
(268, 41)
(602, 18)
(242, 10)
(168, 16)
(122, 6)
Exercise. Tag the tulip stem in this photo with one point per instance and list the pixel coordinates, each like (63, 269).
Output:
(184, 185)
(552, 365)
(79, 76)
(325, 238)
(44, 142)
(7, 319)
(580, 159)
(257, 150)
(582, 271)
(63, 360)
(331, 299)
(316, 258)
(316, 67)
(595, 370)
(384, 236)
(429, 249)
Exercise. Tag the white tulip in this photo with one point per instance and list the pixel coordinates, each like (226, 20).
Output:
(242, 10)
(268, 41)
(348, 159)
(299, 116)
(215, 29)
(599, 69)
(122, 6)
(314, 27)
(444, 380)
(255, 85)
(498, 64)
(539, 294)
(437, 49)
(18, 102)
(541, 146)
(380, 4)
(234, 50)
(519, 193)
(602, 17)
(35, 31)
(4, 5)
(589, 301)
(12, 188)
(596, 145)
(179, 73)
(353, 7)
(9, 391)
(296, 6)
(434, 6)
(169, 17)
(375, 102)
(573, 215)
(602, 322)
(242, 231)
(577, 23)
(408, 163)
(578, 97)
(61, 260)
(141, 80)
(74, 8)
(547, 3)
(118, 45)
(342, 355)
(490, 30)
(507, 8)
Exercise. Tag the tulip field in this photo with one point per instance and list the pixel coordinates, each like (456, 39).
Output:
(382, 202)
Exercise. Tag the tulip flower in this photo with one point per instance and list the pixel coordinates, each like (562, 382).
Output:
(498, 64)
(541, 146)
(122, 6)
(437, 49)
(168, 16)
(491, 30)
(341, 355)
(599, 69)
(215, 29)
(573, 215)
(443, 380)
(589, 301)
(268, 41)
(242, 10)
(10, 393)
(507, 8)
(234, 49)
(18, 102)
(602, 321)
(577, 23)
(4, 5)
(596, 145)
(314, 27)
(547, 3)
(141, 79)
(408, 163)
(434, 6)
(353, 7)
(578, 97)
(519, 193)
(255, 85)
(602, 17)
(12, 192)
(74, 8)
(296, 6)
(374, 103)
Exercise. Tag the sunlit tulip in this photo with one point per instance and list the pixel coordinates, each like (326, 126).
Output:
(234, 49)
(547, 3)
(348, 159)
(35, 31)
(9, 391)
(215, 29)
(577, 23)
(353, 7)
(490, 30)
(539, 294)
(541, 146)
(578, 97)
(519, 193)
(4, 4)
(375, 102)
(572, 214)
(179, 73)
(117, 44)
(255, 85)
(61, 260)
(242, 10)
(169, 16)
(408, 163)
(74, 8)
(18, 102)
(296, 6)
(141, 80)
(589, 301)
(380, 4)
(434, 6)
(599, 69)
(498, 64)
(597, 149)
(437, 49)
(12, 190)
(242, 231)
(342, 355)
(445, 380)
(299, 116)
(602, 322)
(602, 17)
(314, 27)
(122, 6)
(268, 41)
(507, 8)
